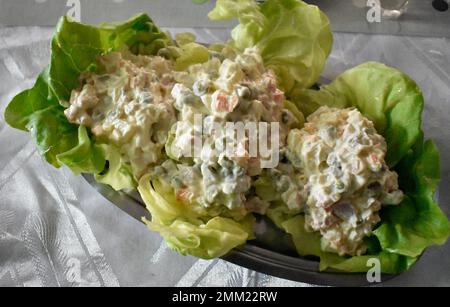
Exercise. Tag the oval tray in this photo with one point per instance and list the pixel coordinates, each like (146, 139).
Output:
(272, 252)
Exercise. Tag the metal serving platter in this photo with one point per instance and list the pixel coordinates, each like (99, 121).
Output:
(272, 252)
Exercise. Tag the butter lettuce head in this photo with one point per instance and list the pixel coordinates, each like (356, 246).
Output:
(75, 48)
(189, 231)
(394, 103)
(294, 38)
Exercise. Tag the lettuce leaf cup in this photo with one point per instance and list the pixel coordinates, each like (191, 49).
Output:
(394, 103)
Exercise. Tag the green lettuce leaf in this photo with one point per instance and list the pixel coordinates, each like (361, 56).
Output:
(86, 157)
(294, 38)
(209, 240)
(296, 112)
(190, 54)
(383, 94)
(188, 231)
(417, 222)
(185, 38)
(118, 174)
(279, 213)
(25, 104)
(265, 189)
(37, 110)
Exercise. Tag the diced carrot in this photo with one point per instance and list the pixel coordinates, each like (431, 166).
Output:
(309, 127)
(254, 162)
(310, 138)
(97, 130)
(278, 96)
(183, 195)
(270, 81)
(374, 158)
(224, 104)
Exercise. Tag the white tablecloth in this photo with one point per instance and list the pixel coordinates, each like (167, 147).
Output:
(56, 230)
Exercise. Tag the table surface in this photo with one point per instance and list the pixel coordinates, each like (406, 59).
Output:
(346, 16)
(56, 230)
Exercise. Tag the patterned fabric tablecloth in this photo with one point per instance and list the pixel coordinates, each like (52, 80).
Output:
(56, 230)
